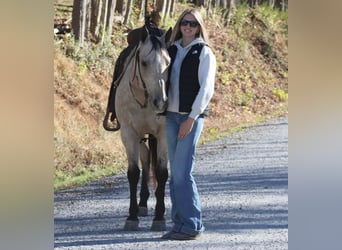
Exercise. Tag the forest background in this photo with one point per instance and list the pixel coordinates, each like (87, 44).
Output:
(249, 40)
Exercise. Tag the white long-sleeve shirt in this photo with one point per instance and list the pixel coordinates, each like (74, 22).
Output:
(206, 77)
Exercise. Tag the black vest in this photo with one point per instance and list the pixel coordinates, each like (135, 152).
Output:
(188, 78)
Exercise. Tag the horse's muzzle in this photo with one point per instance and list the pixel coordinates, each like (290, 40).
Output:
(160, 104)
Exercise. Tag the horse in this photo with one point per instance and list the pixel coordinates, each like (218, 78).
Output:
(140, 100)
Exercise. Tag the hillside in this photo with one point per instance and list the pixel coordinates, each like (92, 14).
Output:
(251, 85)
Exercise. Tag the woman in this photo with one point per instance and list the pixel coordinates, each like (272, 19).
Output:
(191, 86)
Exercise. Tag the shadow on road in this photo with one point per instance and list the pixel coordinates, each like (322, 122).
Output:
(242, 181)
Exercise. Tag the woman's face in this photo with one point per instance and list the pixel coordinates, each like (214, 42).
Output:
(189, 27)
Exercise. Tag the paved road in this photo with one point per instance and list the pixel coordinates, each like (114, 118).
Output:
(243, 185)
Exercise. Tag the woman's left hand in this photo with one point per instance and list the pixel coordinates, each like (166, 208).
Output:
(185, 128)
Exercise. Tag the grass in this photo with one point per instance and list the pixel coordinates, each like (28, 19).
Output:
(251, 86)
(81, 175)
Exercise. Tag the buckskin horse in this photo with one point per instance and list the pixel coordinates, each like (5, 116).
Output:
(140, 99)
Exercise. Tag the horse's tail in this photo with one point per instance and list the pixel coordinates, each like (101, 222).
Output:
(152, 144)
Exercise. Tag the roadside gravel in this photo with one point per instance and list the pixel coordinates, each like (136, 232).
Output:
(243, 185)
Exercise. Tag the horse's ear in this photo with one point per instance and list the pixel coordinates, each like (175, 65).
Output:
(144, 34)
(167, 36)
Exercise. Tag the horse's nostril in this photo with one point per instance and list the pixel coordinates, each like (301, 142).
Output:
(159, 103)
(156, 102)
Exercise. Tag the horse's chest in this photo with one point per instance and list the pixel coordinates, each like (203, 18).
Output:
(148, 122)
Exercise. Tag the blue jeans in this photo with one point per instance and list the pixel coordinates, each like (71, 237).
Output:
(186, 208)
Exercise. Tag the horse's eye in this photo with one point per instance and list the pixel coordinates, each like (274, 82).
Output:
(144, 63)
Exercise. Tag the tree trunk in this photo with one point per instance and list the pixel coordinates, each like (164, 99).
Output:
(121, 7)
(92, 19)
(237, 2)
(271, 3)
(167, 9)
(205, 3)
(110, 16)
(216, 3)
(199, 2)
(104, 14)
(172, 8)
(160, 7)
(227, 13)
(79, 14)
(251, 3)
(128, 12)
(143, 9)
(280, 4)
(209, 7)
(223, 4)
(96, 6)
(88, 21)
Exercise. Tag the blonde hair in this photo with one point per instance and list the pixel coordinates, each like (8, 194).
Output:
(176, 33)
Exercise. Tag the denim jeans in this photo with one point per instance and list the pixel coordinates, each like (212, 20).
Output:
(186, 208)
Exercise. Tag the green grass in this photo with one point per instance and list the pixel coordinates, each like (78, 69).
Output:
(81, 175)
(281, 95)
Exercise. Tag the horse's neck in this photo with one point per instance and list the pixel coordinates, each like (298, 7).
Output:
(130, 60)
(129, 66)
(128, 78)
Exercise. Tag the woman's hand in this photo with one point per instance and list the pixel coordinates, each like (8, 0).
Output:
(185, 128)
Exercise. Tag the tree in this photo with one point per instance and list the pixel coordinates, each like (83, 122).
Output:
(172, 8)
(281, 4)
(95, 18)
(165, 8)
(143, 8)
(120, 6)
(79, 19)
(160, 7)
(128, 11)
(110, 16)
(91, 19)
(230, 5)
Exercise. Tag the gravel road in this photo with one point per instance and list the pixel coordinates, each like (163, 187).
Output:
(243, 185)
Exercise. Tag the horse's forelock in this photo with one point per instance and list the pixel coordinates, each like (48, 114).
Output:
(156, 43)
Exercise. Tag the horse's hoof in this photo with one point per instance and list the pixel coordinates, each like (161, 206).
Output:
(158, 225)
(131, 225)
(143, 211)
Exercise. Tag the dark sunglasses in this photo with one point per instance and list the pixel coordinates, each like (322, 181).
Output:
(193, 24)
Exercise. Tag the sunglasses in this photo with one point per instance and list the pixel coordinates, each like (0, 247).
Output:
(192, 24)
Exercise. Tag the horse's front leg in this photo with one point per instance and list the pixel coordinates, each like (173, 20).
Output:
(133, 173)
(161, 174)
(144, 193)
